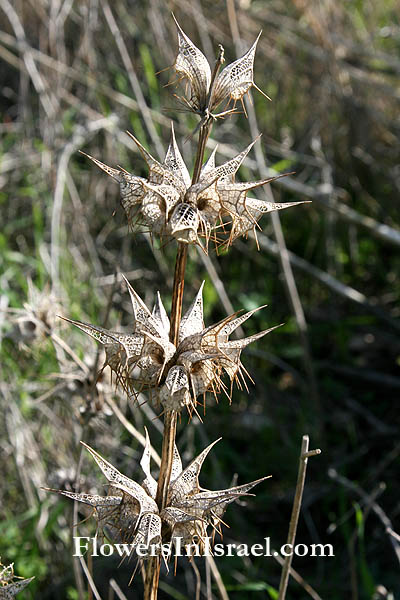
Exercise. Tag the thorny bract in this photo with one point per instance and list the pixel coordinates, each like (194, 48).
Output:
(176, 376)
(10, 584)
(129, 512)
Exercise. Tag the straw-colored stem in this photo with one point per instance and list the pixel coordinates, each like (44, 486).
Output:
(294, 519)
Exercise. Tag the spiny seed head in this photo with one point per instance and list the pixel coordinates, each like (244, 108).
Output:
(168, 204)
(174, 375)
(130, 514)
(10, 584)
(234, 81)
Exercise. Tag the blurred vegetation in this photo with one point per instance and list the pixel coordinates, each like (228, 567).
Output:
(76, 75)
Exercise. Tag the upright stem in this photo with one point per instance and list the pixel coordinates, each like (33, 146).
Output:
(177, 291)
(205, 129)
(176, 313)
(152, 578)
(167, 455)
(170, 420)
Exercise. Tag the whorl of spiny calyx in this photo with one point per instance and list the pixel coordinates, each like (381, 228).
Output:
(129, 512)
(145, 359)
(215, 208)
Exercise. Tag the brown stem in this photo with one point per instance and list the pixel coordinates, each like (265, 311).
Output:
(205, 129)
(170, 421)
(218, 63)
(167, 455)
(151, 580)
(177, 291)
(181, 256)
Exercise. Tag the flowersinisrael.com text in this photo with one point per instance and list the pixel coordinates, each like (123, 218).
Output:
(83, 545)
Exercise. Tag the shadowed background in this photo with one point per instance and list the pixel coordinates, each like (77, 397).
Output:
(76, 75)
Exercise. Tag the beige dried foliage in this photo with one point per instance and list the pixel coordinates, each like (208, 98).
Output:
(37, 320)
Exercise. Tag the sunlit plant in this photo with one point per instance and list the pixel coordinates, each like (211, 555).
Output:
(178, 360)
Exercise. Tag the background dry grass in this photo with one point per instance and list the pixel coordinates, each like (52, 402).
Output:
(76, 75)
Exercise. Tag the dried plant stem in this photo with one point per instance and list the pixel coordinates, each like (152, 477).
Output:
(166, 457)
(177, 291)
(170, 421)
(205, 129)
(297, 577)
(152, 578)
(294, 519)
(176, 312)
(181, 256)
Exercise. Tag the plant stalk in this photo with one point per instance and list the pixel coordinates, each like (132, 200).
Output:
(170, 420)
(177, 291)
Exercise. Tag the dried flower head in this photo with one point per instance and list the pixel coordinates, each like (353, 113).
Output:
(37, 319)
(146, 359)
(203, 93)
(10, 584)
(168, 203)
(129, 512)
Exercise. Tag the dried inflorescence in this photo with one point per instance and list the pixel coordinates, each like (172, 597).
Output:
(129, 513)
(216, 207)
(205, 93)
(37, 319)
(10, 584)
(176, 375)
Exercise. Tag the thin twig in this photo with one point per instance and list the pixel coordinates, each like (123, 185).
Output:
(382, 516)
(198, 579)
(208, 581)
(62, 170)
(297, 577)
(328, 280)
(177, 291)
(27, 55)
(217, 577)
(137, 90)
(294, 519)
(89, 578)
(115, 587)
(131, 429)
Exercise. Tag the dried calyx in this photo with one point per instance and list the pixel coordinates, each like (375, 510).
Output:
(129, 513)
(204, 94)
(10, 584)
(216, 207)
(146, 359)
